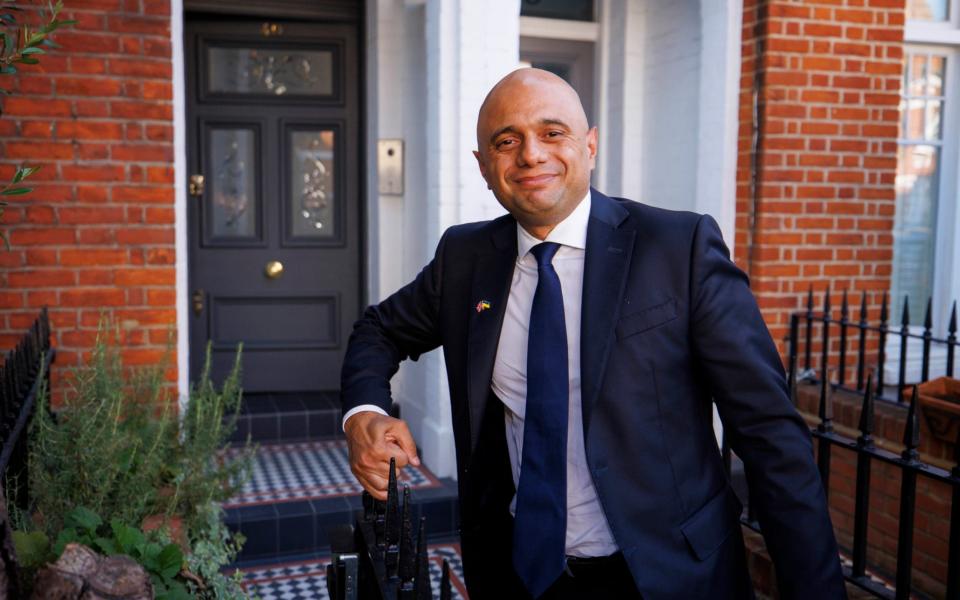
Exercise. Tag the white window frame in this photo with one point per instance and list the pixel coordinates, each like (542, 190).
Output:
(941, 38)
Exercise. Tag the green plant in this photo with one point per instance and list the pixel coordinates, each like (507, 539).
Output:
(162, 559)
(117, 448)
(19, 44)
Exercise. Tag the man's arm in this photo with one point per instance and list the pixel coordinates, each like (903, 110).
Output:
(405, 325)
(747, 381)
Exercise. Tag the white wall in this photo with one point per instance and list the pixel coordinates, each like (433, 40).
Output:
(668, 118)
(430, 64)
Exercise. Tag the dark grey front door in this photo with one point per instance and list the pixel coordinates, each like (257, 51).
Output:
(273, 130)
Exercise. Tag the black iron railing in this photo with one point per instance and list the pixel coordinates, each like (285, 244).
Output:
(23, 370)
(862, 328)
(867, 453)
(377, 559)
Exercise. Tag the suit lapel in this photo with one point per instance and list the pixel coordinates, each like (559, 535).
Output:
(606, 264)
(492, 275)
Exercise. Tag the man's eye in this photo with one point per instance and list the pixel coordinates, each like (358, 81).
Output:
(554, 133)
(504, 143)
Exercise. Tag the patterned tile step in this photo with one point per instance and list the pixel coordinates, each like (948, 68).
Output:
(287, 417)
(300, 490)
(309, 470)
(307, 579)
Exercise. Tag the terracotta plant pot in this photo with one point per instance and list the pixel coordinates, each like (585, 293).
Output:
(940, 402)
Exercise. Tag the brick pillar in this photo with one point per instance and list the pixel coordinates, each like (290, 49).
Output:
(815, 194)
(97, 233)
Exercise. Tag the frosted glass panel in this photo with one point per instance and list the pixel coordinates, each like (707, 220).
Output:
(312, 203)
(276, 72)
(231, 200)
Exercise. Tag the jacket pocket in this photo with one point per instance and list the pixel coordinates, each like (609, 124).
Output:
(707, 529)
(646, 318)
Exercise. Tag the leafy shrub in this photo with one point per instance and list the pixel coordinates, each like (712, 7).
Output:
(117, 449)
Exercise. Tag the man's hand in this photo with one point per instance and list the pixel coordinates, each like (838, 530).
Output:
(373, 439)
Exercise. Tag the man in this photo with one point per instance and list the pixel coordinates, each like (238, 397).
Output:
(581, 372)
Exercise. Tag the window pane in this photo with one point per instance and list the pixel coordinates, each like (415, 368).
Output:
(918, 75)
(928, 10)
(914, 229)
(272, 71)
(932, 122)
(231, 202)
(935, 74)
(312, 201)
(576, 10)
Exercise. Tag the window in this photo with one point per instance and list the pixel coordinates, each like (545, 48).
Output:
(926, 236)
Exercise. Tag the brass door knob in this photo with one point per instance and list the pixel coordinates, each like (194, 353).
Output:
(274, 269)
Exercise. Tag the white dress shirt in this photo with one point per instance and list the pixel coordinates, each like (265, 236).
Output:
(588, 533)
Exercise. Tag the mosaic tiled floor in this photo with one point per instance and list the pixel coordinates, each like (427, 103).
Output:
(307, 580)
(308, 470)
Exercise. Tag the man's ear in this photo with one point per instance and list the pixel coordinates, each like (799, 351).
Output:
(483, 168)
(592, 140)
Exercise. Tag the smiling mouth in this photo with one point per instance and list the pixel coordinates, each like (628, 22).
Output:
(534, 181)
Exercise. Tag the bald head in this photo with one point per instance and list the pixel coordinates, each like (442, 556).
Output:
(535, 149)
(529, 82)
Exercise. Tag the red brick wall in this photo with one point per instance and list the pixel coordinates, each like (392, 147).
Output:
(97, 233)
(828, 75)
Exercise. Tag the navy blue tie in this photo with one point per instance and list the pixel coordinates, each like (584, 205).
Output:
(539, 533)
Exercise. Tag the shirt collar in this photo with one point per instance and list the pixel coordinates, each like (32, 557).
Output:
(571, 231)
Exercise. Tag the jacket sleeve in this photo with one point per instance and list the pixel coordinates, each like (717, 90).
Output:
(746, 378)
(405, 325)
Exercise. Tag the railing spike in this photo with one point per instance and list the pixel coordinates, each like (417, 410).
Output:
(844, 306)
(422, 588)
(810, 298)
(884, 308)
(368, 507)
(911, 431)
(826, 302)
(826, 408)
(392, 518)
(866, 414)
(928, 318)
(445, 592)
(905, 317)
(408, 557)
(951, 339)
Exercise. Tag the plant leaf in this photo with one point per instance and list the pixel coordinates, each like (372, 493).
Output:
(84, 519)
(33, 548)
(34, 50)
(129, 539)
(106, 546)
(16, 191)
(170, 561)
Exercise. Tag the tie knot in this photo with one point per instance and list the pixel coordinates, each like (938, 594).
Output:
(544, 253)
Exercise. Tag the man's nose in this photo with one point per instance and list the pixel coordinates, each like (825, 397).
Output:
(531, 152)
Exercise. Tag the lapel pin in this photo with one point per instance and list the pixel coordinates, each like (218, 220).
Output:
(482, 306)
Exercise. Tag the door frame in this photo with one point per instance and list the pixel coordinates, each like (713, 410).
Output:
(329, 11)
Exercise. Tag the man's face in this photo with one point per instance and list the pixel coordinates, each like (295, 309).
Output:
(535, 149)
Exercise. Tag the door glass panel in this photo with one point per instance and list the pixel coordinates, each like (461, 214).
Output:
(928, 10)
(272, 71)
(312, 203)
(231, 201)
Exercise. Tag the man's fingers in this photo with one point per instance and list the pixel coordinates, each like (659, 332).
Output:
(399, 434)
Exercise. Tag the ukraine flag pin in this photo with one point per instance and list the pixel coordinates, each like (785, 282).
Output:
(482, 306)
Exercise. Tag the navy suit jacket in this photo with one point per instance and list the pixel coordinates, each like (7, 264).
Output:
(669, 326)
